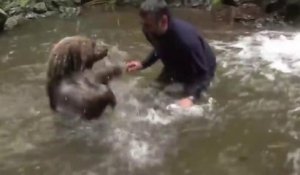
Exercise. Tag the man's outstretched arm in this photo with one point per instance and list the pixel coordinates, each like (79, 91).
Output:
(150, 60)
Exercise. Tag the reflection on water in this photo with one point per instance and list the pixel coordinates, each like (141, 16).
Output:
(246, 124)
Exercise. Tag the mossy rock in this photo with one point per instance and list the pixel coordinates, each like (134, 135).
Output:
(14, 21)
(3, 18)
(40, 8)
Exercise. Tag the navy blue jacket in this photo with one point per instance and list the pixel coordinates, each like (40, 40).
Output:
(184, 54)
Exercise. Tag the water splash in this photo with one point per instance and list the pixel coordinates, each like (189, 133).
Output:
(279, 49)
(140, 133)
(294, 158)
(153, 117)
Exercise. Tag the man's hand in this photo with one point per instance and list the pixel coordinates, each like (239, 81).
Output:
(133, 66)
(185, 102)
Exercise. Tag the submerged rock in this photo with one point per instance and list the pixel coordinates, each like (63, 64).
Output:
(3, 18)
(248, 12)
(64, 3)
(69, 11)
(48, 13)
(33, 15)
(14, 21)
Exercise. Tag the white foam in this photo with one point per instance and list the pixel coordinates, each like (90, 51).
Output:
(193, 111)
(137, 149)
(154, 118)
(137, 137)
(269, 76)
(140, 152)
(281, 50)
(294, 158)
(196, 110)
(139, 133)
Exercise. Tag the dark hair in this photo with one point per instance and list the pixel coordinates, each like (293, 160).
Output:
(157, 8)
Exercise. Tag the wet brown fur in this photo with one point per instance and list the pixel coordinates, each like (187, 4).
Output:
(73, 54)
(70, 87)
(86, 94)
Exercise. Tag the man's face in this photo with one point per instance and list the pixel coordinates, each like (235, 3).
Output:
(151, 25)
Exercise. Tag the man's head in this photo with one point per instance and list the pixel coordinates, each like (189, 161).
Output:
(155, 16)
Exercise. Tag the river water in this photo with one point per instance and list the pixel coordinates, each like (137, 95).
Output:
(248, 123)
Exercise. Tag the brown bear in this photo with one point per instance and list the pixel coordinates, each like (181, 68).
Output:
(71, 87)
(73, 54)
(85, 94)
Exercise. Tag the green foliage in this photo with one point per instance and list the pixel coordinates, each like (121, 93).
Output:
(216, 2)
(23, 3)
(2, 4)
(12, 3)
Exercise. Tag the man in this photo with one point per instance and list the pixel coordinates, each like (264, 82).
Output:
(186, 56)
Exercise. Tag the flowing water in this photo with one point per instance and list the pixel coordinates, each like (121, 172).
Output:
(248, 124)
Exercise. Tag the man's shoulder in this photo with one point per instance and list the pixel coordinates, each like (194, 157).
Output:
(186, 32)
(184, 27)
(183, 23)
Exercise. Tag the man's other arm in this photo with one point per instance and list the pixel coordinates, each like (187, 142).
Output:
(150, 60)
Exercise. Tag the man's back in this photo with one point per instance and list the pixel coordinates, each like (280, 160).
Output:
(192, 39)
(183, 51)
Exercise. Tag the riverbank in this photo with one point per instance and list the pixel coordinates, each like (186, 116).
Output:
(14, 13)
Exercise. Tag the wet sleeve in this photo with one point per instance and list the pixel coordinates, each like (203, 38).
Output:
(151, 59)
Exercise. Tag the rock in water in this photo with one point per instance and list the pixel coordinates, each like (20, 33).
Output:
(14, 21)
(77, 2)
(31, 15)
(40, 8)
(63, 3)
(3, 18)
(69, 11)
(13, 8)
